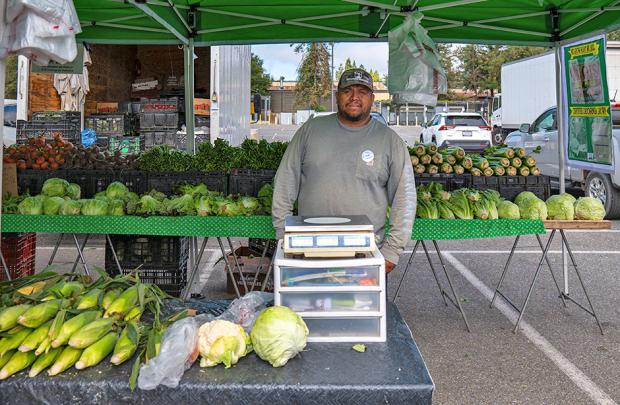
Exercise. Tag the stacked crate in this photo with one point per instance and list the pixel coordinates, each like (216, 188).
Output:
(114, 130)
(159, 120)
(18, 250)
(49, 124)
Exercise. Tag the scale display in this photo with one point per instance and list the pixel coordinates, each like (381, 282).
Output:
(328, 241)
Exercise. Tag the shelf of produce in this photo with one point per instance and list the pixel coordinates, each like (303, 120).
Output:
(577, 224)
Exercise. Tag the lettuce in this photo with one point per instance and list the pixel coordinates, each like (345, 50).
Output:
(589, 208)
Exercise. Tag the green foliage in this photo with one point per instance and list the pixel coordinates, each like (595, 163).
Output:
(351, 64)
(259, 79)
(313, 75)
(10, 90)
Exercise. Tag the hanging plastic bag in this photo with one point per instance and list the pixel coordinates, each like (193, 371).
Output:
(415, 73)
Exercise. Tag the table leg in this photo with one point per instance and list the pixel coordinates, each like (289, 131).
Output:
(269, 269)
(234, 255)
(113, 250)
(194, 270)
(80, 255)
(430, 263)
(260, 266)
(456, 297)
(6, 268)
(557, 286)
(228, 269)
(572, 258)
(501, 279)
(529, 293)
(415, 248)
(56, 246)
(77, 259)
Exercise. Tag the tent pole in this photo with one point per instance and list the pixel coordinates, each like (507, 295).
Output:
(188, 78)
(2, 78)
(561, 130)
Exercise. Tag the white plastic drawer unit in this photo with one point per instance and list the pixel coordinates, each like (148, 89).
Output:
(361, 276)
(358, 301)
(345, 329)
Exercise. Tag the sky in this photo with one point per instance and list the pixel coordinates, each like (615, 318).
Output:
(281, 60)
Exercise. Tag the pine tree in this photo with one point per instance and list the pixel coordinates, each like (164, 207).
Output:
(313, 75)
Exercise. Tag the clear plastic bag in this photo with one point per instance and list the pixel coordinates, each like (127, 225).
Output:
(244, 310)
(416, 75)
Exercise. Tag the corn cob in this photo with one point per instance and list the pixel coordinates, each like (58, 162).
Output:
(498, 170)
(505, 162)
(89, 300)
(448, 158)
(98, 351)
(44, 361)
(458, 169)
(6, 357)
(109, 297)
(516, 162)
(529, 161)
(524, 171)
(466, 162)
(44, 346)
(35, 338)
(72, 325)
(420, 150)
(18, 362)
(414, 160)
(15, 338)
(39, 314)
(446, 168)
(488, 172)
(48, 298)
(504, 152)
(9, 316)
(127, 344)
(511, 171)
(437, 159)
(32, 288)
(67, 358)
(134, 314)
(431, 148)
(475, 172)
(90, 333)
(432, 169)
(419, 169)
(426, 159)
(71, 289)
(519, 152)
(123, 303)
(534, 171)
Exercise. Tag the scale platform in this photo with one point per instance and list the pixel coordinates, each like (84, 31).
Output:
(328, 236)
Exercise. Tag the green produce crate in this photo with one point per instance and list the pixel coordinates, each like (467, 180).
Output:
(127, 145)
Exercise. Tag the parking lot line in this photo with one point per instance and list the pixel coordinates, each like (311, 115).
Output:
(575, 374)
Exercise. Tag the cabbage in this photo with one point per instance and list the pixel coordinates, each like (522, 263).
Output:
(222, 341)
(533, 208)
(31, 206)
(569, 196)
(96, 207)
(589, 208)
(183, 205)
(203, 206)
(148, 205)
(52, 205)
(101, 196)
(55, 187)
(74, 191)
(249, 205)
(116, 190)
(116, 207)
(131, 196)
(508, 210)
(560, 207)
(524, 195)
(70, 207)
(278, 335)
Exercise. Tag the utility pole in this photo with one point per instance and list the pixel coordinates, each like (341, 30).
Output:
(281, 97)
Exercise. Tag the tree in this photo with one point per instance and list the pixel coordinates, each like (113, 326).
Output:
(376, 77)
(259, 79)
(10, 91)
(348, 64)
(472, 69)
(446, 58)
(313, 75)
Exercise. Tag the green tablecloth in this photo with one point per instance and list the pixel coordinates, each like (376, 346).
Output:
(251, 227)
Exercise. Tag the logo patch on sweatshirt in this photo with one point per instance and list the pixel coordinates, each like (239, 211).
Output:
(368, 157)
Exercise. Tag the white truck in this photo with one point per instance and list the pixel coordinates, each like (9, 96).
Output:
(528, 89)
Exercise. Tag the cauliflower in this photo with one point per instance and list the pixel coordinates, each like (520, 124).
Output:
(222, 342)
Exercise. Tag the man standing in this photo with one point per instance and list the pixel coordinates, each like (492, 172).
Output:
(349, 164)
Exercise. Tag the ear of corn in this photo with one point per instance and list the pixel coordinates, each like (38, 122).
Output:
(14, 339)
(6, 357)
(123, 304)
(32, 288)
(89, 300)
(44, 361)
(71, 289)
(73, 325)
(98, 351)
(134, 314)
(39, 314)
(44, 346)
(127, 344)
(109, 297)
(35, 338)
(67, 358)
(89, 334)
(18, 362)
(9, 316)
(153, 343)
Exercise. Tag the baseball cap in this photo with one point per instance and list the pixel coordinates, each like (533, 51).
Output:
(355, 76)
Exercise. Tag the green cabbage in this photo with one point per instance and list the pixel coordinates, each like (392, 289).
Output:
(278, 335)
(249, 205)
(52, 205)
(560, 207)
(55, 187)
(101, 196)
(589, 208)
(95, 207)
(74, 191)
(183, 205)
(149, 205)
(31, 206)
(524, 195)
(203, 206)
(222, 341)
(116, 190)
(506, 209)
(116, 207)
(533, 208)
(569, 196)
(131, 196)
(70, 207)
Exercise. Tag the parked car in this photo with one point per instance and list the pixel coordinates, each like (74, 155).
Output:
(470, 131)
(543, 132)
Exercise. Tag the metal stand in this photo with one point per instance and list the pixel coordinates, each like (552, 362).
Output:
(6, 268)
(563, 296)
(454, 299)
(194, 267)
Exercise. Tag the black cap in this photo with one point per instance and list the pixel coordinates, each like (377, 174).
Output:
(355, 76)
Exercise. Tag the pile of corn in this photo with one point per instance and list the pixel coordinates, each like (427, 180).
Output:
(56, 322)
(497, 161)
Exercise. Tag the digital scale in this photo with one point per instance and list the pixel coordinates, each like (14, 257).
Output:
(328, 236)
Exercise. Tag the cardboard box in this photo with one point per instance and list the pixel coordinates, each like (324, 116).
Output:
(202, 106)
(9, 179)
(249, 261)
(107, 107)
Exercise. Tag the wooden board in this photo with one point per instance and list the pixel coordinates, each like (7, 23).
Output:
(557, 224)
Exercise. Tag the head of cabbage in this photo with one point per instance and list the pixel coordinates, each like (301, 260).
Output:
(70, 207)
(116, 207)
(508, 210)
(278, 335)
(560, 207)
(31, 206)
(116, 190)
(52, 205)
(74, 191)
(222, 341)
(589, 208)
(524, 195)
(94, 207)
(55, 187)
(533, 208)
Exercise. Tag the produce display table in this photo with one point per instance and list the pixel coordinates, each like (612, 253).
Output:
(554, 226)
(390, 372)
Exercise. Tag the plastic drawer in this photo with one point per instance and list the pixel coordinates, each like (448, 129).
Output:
(344, 328)
(358, 301)
(361, 276)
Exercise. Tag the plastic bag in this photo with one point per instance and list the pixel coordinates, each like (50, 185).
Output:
(88, 137)
(244, 310)
(416, 75)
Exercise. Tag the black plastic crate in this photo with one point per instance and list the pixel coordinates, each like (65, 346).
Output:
(258, 245)
(91, 182)
(31, 180)
(198, 139)
(458, 181)
(426, 178)
(160, 260)
(248, 181)
(73, 117)
(112, 123)
(31, 129)
(155, 121)
(167, 182)
(148, 139)
(136, 181)
(159, 104)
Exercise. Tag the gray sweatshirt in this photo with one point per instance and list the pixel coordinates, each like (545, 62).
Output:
(332, 169)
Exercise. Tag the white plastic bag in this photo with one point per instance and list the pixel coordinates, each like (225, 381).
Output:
(416, 75)
(243, 311)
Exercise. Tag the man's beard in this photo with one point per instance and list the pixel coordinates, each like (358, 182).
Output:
(353, 118)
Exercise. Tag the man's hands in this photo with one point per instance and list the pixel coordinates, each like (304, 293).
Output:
(389, 266)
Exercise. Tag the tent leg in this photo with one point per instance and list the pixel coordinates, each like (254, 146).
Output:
(188, 51)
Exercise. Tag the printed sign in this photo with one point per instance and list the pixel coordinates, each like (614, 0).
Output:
(74, 67)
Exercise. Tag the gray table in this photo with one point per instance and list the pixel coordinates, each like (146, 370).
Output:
(392, 372)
